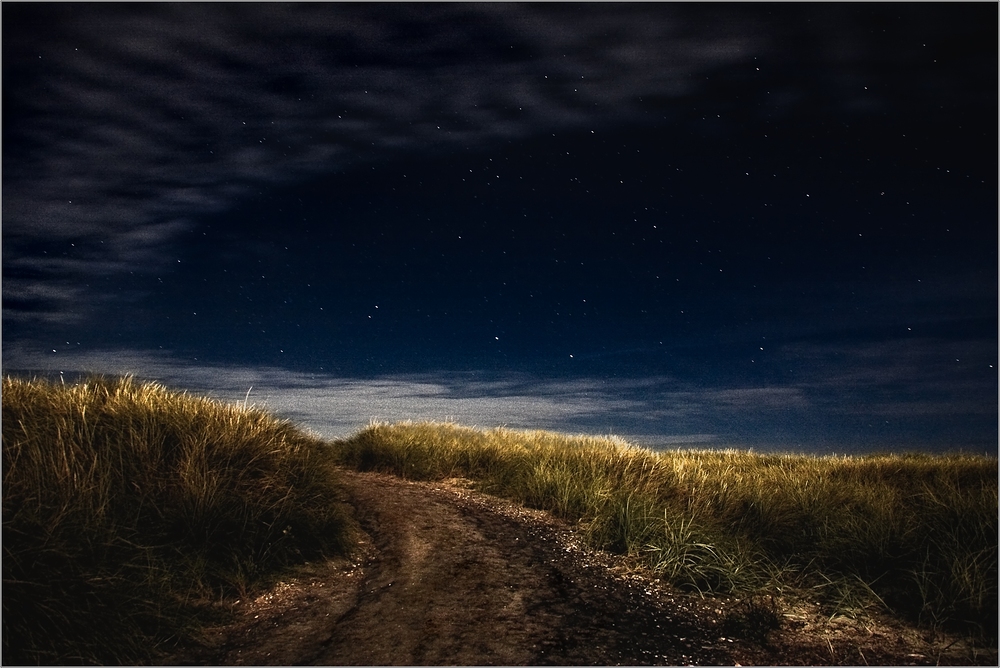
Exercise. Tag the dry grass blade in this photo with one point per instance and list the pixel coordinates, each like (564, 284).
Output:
(122, 502)
(913, 533)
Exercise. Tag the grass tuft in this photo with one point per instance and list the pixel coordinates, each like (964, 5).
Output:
(126, 506)
(913, 533)
(753, 619)
(124, 503)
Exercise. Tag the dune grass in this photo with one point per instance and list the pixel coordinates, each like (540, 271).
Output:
(127, 506)
(125, 503)
(913, 533)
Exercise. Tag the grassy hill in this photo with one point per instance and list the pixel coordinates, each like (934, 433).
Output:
(913, 533)
(125, 505)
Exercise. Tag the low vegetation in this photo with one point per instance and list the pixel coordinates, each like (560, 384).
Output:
(124, 504)
(913, 533)
(127, 507)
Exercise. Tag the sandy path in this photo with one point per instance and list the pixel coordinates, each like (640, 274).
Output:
(444, 575)
(467, 580)
(448, 576)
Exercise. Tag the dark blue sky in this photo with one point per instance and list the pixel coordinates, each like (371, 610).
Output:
(754, 225)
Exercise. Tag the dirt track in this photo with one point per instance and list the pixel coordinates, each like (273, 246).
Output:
(444, 575)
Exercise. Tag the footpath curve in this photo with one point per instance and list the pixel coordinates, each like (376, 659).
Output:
(447, 576)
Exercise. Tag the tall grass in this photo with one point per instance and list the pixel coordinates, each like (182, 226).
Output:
(912, 532)
(124, 502)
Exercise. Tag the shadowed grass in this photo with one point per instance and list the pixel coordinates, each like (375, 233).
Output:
(123, 503)
(126, 504)
(915, 533)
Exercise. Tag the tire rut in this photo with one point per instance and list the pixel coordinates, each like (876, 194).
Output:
(466, 579)
(442, 575)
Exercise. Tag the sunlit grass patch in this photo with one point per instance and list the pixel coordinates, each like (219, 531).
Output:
(912, 532)
(123, 502)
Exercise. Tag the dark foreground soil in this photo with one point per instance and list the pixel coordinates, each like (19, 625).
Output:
(443, 575)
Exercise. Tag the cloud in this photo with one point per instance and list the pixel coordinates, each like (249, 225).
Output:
(337, 406)
(138, 119)
(897, 378)
(126, 123)
(124, 120)
(758, 399)
(845, 400)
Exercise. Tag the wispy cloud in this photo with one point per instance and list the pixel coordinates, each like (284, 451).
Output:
(150, 115)
(896, 378)
(139, 118)
(826, 413)
(124, 125)
(336, 406)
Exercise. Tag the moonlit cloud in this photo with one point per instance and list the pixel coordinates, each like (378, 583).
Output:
(921, 376)
(655, 412)
(336, 407)
(716, 290)
(177, 110)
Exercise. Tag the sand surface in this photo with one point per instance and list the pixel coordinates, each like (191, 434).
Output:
(446, 575)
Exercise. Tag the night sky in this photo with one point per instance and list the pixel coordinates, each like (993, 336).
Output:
(750, 225)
